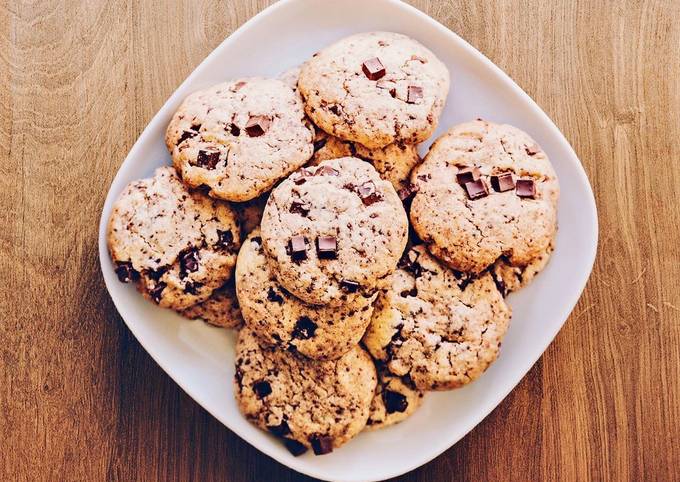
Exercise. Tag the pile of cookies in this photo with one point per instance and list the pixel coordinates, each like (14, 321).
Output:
(298, 210)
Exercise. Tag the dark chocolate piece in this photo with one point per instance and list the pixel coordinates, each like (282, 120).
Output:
(279, 430)
(225, 239)
(304, 328)
(394, 401)
(326, 171)
(233, 129)
(349, 286)
(476, 189)
(207, 159)
(368, 193)
(262, 388)
(533, 149)
(407, 191)
(502, 182)
(327, 247)
(126, 272)
(297, 248)
(157, 291)
(294, 447)
(300, 207)
(467, 174)
(373, 68)
(526, 188)
(414, 94)
(257, 125)
(188, 261)
(301, 174)
(274, 297)
(185, 135)
(321, 445)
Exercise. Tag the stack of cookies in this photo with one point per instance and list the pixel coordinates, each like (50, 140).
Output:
(286, 215)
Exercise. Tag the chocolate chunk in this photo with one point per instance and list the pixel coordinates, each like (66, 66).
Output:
(156, 292)
(126, 272)
(301, 174)
(467, 174)
(476, 189)
(225, 239)
(321, 445)
(394, 402)
(409, 262)
(327, 247)
(233, 129)
(155, 274)
(279, 430)
(318, 145)
(500, 285)
(368, 193)
(257, 125)
(304, 328)
(502, 182)
(414, 94)
(294, 447)
(192, 287)
(326, 171)
(188, 261)
(407, 191)
(297, 248)
(335, 109)
(256, 240)
(274, 297)
(196, 127)
(423, 177)
(207, 159)
(300, 207)
(349, 286)
(262, 388)
(533, 149)
(526, 188)
(185, 135)
(373, 68)
(238, 86)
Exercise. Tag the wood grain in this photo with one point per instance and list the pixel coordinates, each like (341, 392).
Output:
(81, 400)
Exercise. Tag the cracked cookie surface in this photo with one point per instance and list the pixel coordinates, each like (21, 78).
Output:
(397, 99)
(240, 137)
(439, 328)
(177, 245)
(471, 234)
(511, 278)
(393, 162)
(221, 309)
(315, 404)
(394, 400)
(281, 320)
(334, 232)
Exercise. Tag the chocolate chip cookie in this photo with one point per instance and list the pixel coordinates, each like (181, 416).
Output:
(334, 231)
(221, 309)
(439, 328)
(309, 403)
(393, 162)
(177, 245)
(376, 89)
(394, 401)
(283, 321)
(485, 191)
(240, 137)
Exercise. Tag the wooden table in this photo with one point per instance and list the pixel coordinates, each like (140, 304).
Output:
(81, 400)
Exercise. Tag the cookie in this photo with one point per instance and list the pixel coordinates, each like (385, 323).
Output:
(438, 328)
(310, 403)
(334, 232)
(485, 191)
(249, 213)
(177, 245)
(290, 77)
(281, 320)
(393, 162)
(376, 89)
(511, 278)
(240, 137)
(394, 400)
(221, 309)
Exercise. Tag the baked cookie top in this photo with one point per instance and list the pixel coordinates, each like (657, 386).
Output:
(334, 231)
(511, 278)
(394, 401)
(484, 191)
(375, 88)
(310, 403)
(281, 320)
(437, 327)
(239, 137)
(179, 245)
(221, 309)
(393, 162)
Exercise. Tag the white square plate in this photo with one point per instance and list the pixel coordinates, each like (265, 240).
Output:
(200, 358)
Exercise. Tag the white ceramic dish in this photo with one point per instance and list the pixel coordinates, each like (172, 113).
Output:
(200, 358)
